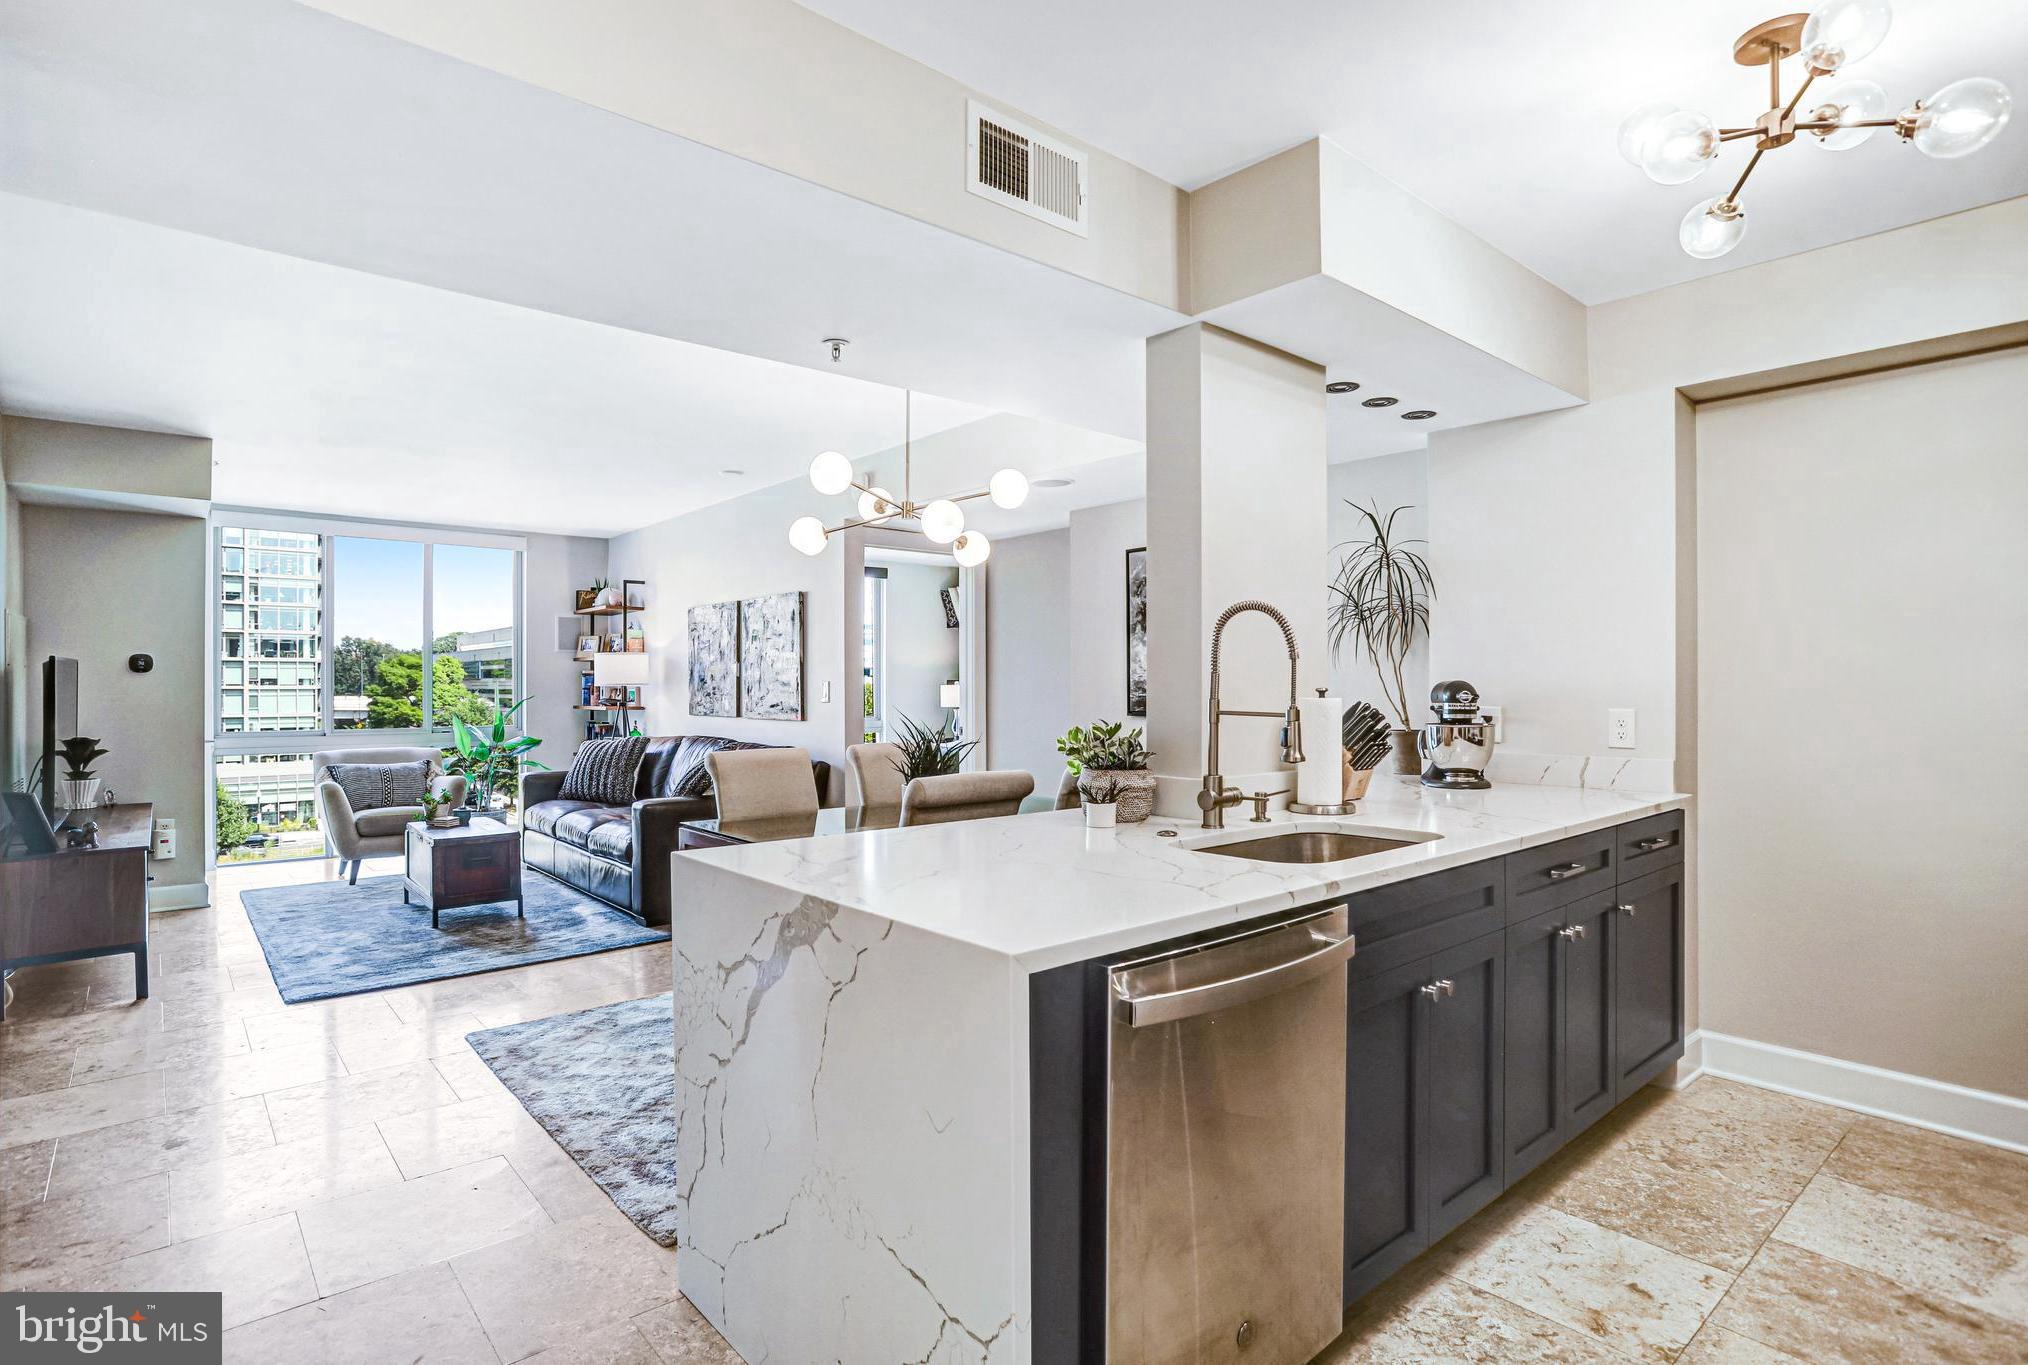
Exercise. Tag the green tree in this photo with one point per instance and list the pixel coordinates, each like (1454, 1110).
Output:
(394, 697)
(355, 663)
(233, 824)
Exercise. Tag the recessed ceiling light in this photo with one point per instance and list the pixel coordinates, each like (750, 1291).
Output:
(1419, 415)
(1341, 386)
(1380, 402)
(733, 473)
(1053, 483)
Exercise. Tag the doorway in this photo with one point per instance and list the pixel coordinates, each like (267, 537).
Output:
(916, 637)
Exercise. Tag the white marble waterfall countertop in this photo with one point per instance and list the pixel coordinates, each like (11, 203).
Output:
(1043, 890)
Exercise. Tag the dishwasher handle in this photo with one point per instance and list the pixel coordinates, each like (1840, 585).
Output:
(1141, 1011)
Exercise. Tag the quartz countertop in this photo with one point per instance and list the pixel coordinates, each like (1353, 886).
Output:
(1042, 890)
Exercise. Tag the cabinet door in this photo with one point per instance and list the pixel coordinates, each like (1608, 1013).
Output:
(1464, 1162)
(1534, 1062)
(1649, 977)
(1590, 1062)
(1386, 1223)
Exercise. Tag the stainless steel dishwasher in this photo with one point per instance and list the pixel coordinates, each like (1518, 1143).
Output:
(1225, 1173)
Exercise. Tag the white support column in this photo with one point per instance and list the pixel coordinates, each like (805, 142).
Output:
(1236, 509)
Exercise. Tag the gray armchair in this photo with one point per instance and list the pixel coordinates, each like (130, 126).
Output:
(360, 834)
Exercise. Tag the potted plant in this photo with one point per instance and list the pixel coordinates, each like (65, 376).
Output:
(1380, 602)
(80, 790)
(605, 594)
(1101, 792)
(929, 753)
(488, 758)
(436, 812)
(1112, 758)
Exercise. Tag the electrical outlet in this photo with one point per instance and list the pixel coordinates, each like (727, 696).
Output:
(1620, 727)
(1498, 715)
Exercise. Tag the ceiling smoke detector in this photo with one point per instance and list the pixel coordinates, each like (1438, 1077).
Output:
(1341, 386)
(1379, 402)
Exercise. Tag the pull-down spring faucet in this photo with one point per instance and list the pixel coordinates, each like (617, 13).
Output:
(1216, 796)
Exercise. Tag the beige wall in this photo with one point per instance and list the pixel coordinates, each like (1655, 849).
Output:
(1863, 628)
(101, 585)
(1030, 637)
(141, 467)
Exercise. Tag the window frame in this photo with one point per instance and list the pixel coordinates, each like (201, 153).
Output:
(331, 530)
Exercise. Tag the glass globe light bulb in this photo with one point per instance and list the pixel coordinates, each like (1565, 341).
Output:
(1682, 147)
(1710, 231)
(971, 549)
(1637, 131)
(1857, 100)
(831, 472)
(1008, 489)
(1841, 32)
(942, 522)
(878, 503)
(807, 534)
(1962, 117)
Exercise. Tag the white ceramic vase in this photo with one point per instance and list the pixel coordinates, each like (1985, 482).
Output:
(1101, 815)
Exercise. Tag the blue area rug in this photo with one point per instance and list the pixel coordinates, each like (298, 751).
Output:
(602, 1082)
(327, 938)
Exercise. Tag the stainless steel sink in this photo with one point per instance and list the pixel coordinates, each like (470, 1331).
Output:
(1306, 846)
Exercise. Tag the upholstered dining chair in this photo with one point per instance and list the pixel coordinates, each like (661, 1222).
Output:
(759, 784)
(1067, 797)
(965, 796)
(362, 834)
(876, 774)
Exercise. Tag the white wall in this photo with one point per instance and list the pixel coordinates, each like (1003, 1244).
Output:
(1863, 620)
(101, 585)
(1031, 632)
(551, 568)
(741, 549)
(921, 652)
(1097, 636)
(1385, 482)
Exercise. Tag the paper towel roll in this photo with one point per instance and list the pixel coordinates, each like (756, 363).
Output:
(1320, 778)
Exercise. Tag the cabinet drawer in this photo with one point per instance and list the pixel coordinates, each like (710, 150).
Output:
(1409, 920)
(1556, 874)
(1650, 844)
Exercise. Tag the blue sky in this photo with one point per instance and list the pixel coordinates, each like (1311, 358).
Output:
(378, 589)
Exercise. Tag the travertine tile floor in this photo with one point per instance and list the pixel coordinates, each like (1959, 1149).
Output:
(362, 1189)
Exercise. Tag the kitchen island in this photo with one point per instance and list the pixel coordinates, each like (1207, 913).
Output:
(873, 1163)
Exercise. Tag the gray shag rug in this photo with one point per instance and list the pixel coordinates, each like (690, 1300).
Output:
(602, 1082)
(327, 938)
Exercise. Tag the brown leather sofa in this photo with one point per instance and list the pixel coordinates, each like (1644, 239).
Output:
(620, 854)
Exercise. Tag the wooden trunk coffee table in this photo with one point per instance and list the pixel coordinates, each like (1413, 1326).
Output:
(475, 864)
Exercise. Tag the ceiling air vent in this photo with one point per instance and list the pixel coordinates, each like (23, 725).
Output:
(1013, 164)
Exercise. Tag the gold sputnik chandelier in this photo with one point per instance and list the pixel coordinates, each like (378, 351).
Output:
(1677, 145)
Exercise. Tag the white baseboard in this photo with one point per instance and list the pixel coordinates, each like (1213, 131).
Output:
(190, 896)
(1980, 1115)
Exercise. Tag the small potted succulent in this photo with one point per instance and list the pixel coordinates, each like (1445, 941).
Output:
(1112, 758)
(929, 753)
(80, 789)
(436, 811)
(1101, 792)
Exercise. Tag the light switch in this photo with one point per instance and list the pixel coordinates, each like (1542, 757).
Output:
(827, 690)
(1620, 727)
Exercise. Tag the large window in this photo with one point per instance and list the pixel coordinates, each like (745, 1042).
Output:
(330, 629)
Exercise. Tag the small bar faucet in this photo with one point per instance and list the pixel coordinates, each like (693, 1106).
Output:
(1216, 796)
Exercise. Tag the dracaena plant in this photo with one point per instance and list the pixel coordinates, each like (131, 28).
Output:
(929, 753)
(488, 757)
(1380, 602)
(79, 754)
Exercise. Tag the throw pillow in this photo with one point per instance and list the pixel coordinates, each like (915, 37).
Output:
(376, 786)
(603, 771)
(694, 779)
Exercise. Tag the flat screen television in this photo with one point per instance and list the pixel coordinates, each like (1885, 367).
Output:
(59, 722)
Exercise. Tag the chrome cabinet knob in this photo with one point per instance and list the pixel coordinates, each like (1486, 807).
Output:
(1625, 909)
(1439, 988)
(1571, 931)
